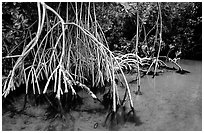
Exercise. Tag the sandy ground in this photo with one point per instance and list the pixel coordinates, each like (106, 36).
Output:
(170, 102)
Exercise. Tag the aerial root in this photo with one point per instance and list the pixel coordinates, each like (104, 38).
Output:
(132, 117)
(115, 118)
(120, 116)
(24, 104)
(55, 111)
(182, 71)
(138, 92)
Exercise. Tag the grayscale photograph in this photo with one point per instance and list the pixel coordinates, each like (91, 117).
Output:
(101, 66)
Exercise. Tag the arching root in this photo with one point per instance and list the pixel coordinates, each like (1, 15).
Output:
(132, 117)
(114, 119)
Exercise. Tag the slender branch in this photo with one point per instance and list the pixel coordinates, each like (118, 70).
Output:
(160, 38)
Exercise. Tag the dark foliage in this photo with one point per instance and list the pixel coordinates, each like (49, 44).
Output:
(182, 25)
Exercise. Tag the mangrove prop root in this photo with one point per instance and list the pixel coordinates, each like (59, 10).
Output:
(131, 117)
(124, 98)
(55, 110)
(88, 91)
(50, 103)
(138, 92)
(61, 110)
(107, 100)
(182, 71)
(115, 118)
(107, 117)
(120, 117)
(97, 99)
(24, 104)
